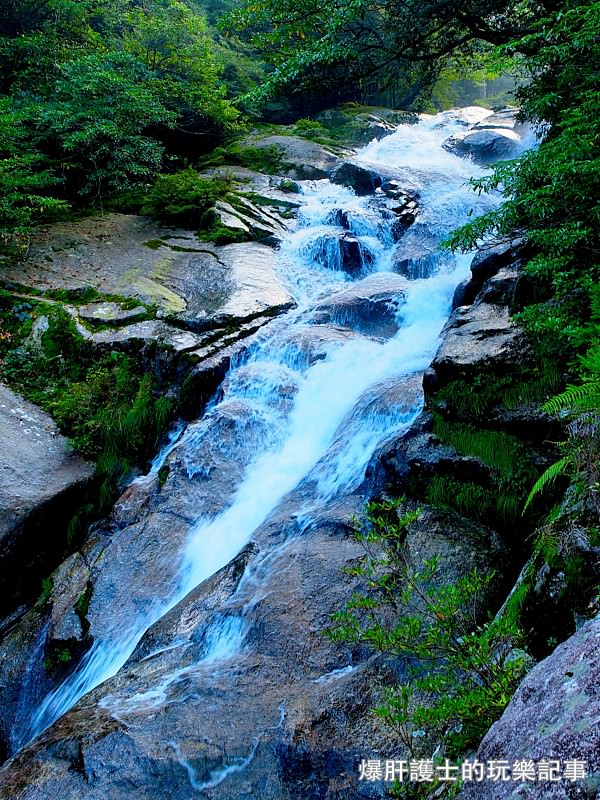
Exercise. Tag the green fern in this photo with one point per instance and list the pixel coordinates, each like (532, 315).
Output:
(586, 396)
(550, 475)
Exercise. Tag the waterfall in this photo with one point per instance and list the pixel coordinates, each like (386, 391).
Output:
(311, 399)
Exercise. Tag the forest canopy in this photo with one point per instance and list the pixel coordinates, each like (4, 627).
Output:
(95, 94)
(402, 42)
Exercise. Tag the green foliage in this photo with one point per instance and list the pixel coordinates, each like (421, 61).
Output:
(511, 473)
(102, 145)
(579, 407)
(461, 671)
(267, 159)
(59, 655)
(173, 43)
(466, 497)
(91, 93)
(163, 474)
(82, 605)
(498, 450)
(364, 48)
(541, 383)
(24, 181)
(515, 388)
(310, 129)
(109, 408)
(184, 198)
(46, 593)
(551, 192)
(287, 185)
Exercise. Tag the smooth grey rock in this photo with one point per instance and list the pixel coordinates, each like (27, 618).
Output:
(170, 268)
(69, 582)
(485, 145)
(229, 219)
(505, 118)
(369, 306)
(465, 293)
(303, 160)
(494, 137)
(312, 343)
(41, 481)
(554, 716)
(152, 330)
(488, 260)
(239, 285)
(256, 286)
(476, 337)
(285, 715)
(256, 223)
(339, 250)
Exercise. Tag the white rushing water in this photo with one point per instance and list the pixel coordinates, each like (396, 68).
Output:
(306, 421)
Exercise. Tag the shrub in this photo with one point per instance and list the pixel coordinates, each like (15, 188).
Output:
(461, 671)
(184, 198)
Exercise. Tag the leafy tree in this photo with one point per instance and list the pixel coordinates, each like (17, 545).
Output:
(92, 91)
(173, 43)
(24, 182)
(551, 192)
(100, 145)
(307, 40)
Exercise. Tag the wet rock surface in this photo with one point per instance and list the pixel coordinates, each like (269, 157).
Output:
(362, 181)
(553, 716)
(110, 314)
(235, 692)
(476, 337)
(370, 306)
(186, 281)
(497, 136)
(486, 264)
(40, 482)
(240, 730)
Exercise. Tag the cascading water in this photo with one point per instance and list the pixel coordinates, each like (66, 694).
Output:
(313, 397)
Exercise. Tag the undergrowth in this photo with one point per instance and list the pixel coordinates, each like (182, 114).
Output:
(109, 407)
(461, 669)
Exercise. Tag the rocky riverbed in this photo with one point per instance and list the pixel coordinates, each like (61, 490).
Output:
(227, 687)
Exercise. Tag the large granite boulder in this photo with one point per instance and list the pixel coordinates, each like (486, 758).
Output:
(486, 264)
(363, 181)
(553, 717)
(339, 250)
(178, 277)
(301, 159)
(496, 137)
(474, 339)
(42, 483)
(370, 306)
(252, 222)
(485, 145)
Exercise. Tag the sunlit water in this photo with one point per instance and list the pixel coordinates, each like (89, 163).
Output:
(314, 423)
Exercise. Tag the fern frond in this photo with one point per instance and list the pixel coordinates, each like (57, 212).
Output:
(573, 397)
(551, 474)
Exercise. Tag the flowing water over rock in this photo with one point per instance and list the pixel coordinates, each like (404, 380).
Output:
(279, 457)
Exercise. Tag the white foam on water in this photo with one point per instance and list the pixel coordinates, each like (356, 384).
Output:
(322, 430)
